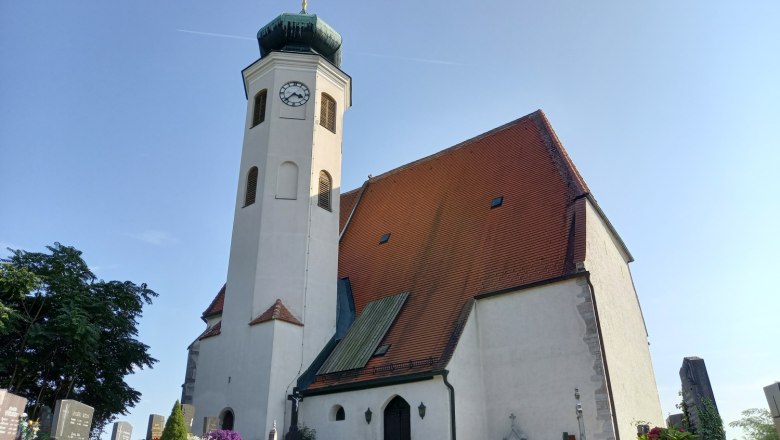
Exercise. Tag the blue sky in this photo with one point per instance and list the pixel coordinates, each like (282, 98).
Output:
(121, 127)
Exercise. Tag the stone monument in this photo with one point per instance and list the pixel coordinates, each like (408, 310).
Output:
(210, 424)
(72, 420)
(11, 408)
(155, 427)
(122, 431)
(772, 393)
(188, 411)
(696, 389)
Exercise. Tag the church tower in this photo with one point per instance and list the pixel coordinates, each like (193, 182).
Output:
(280, 296)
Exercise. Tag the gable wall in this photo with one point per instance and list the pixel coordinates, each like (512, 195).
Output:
(625, 339)
(534, 347)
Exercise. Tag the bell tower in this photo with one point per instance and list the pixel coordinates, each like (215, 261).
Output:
(280, 297)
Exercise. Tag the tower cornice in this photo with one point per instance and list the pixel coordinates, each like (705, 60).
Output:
(292, 61)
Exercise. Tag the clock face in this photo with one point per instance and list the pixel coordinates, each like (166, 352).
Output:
(294, 93)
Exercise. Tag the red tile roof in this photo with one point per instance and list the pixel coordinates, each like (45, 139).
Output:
(447, 245)
(215, 308)
(277, 311)
(211, 331)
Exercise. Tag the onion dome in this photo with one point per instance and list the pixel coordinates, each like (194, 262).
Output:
(305, 33)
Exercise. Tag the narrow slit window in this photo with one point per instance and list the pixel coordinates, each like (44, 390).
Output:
(251, 187)
(384, 238)
(498, 201)
(340, 415)
(323, 198)
(328, 112)
(258, 113)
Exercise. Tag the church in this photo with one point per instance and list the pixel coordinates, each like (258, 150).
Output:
(478, 293)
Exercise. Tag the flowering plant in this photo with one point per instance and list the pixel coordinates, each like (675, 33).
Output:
(28, 429)
(222, 434)
(666, 434)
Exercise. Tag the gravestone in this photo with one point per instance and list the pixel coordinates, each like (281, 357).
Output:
(188, 411)
(122, 431)
(210, 424)
(46, 419)
(11, 408)
(72, 420)
(772, 393)
(155, 427)
(696, 389)
(675, 421)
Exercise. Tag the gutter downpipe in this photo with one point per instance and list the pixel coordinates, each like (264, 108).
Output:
(603, 357)
(451, 389)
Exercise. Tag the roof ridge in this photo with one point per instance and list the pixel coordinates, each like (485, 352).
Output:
(454, 147)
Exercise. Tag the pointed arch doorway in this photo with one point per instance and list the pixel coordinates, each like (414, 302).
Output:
(397, 425)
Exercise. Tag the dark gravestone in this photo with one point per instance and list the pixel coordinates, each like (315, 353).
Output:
(696, 389)
(188, 411)
(675, 421)
(155, 428)
(210, 424)
(46, 419)
(72, 420)
(11, 408)
(122, 431)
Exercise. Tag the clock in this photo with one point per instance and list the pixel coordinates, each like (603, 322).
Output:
(294, 93)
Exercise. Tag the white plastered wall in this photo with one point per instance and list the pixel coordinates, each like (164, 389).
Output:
(282, 248)
(317, 411)
(524, 353)
(623, 331)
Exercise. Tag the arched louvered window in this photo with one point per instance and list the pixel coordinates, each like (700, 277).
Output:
(258, 114)
(323, 198)
(251, 187)
(328, 112)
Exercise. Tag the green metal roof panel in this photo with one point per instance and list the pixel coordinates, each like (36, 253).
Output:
(364, 336)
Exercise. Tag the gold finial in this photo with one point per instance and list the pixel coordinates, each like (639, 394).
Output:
(304, 4)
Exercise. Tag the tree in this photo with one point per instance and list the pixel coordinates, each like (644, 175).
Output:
(175, 428)
(757, 424)
(65, 334)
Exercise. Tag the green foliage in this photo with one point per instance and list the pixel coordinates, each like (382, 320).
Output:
(65, 334)
(711, 425)
(175, 428)
(307, 433)
(666, 434)
(757, 424)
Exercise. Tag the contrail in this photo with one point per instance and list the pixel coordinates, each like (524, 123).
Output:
(211, 34)
(419, 60)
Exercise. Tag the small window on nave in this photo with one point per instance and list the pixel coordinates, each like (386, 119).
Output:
(328, 112)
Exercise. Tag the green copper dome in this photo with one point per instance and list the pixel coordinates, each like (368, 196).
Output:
(300, 33)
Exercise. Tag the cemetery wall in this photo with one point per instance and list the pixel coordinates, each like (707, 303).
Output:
(623, 328)
(536, 346)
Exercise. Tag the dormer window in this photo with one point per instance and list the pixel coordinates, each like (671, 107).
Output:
(258, 113)
(328, 112)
